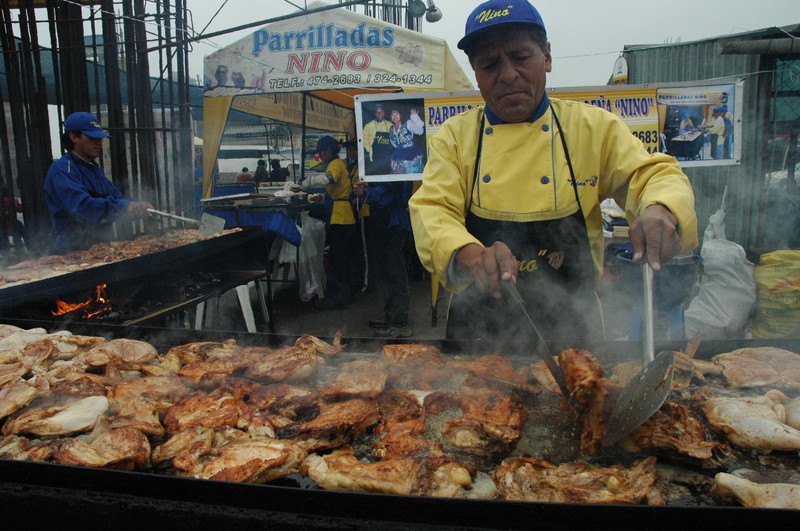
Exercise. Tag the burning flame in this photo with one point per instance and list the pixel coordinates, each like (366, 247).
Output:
(89, 305)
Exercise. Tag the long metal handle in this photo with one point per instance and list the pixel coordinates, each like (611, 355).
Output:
(172, 216)
(540, 348)
(648, 341)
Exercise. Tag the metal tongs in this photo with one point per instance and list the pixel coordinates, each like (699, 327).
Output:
(540, 347)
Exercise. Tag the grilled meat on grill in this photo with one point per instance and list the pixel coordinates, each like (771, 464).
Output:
(492, 422)
(365, 378)
(341, 470)
(337, 424)
(587, 387)
(250, 460)
(758, 367)
(672, 430)
(757, 423)
(78, 416)
(750, 494)
(207, 410)
(119, 448)
(529, 479)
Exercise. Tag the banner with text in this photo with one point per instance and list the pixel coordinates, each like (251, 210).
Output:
(334, 49)
(391, 128)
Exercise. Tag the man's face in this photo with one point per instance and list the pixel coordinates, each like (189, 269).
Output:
(86, 147)
(510, 68)
(379, 114)
(326, 155)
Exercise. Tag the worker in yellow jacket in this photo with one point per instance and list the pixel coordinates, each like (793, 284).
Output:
(341, 237)
(511, 192)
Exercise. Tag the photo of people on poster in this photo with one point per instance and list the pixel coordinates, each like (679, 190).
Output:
(393, 133)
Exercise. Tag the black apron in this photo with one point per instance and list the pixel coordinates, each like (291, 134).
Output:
(382, 150)
(555, 278)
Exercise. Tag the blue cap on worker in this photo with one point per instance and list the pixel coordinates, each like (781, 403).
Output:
(327, 142)
(86, 123)
(494, 13)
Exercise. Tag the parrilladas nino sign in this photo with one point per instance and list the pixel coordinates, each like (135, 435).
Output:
(337, 49)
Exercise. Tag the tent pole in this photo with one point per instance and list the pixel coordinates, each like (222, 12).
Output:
(303, 143)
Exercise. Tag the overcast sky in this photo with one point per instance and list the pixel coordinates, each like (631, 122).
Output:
(586, 35)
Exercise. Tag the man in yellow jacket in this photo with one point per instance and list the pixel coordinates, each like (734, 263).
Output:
(511, 191)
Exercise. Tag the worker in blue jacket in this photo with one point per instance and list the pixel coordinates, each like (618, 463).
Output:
(82, 200)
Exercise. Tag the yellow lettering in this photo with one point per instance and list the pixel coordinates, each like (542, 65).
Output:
(528, 265)
(543, 252)
(492, 13)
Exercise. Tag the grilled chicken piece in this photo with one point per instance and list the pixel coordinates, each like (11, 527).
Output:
(119, 351)
(120, 448)
(492, 422)
(7, 329)
(364, 378)
(14, 447)
(497, 372)
(342, 471)
(337, 424)
(759, 367)
(402, 425)
(207, 410)
(79, 386)
(535, 480)
(211, 372)
(17, 395)
(287, 364)
(191, 440)
(587, 387)
(282, 399)
(251, 460)
(203, 350)
(140, 403)
(749, 494)
(164, 391)
(11, 372)
(422, 365)
(672, 430)
(79, 416)
(311, 343)
(756, 423)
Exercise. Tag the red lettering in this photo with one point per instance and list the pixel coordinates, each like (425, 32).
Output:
(336, 59)
(315, 62)
(296, 61)
(359, 61)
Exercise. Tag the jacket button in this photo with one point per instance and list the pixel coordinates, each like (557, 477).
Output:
(545, 179)
(487, 178)
(489, 130)
(545, 127)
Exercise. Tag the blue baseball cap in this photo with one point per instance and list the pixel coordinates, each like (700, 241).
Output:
(86, 123)
(327, 142)
(495, 13)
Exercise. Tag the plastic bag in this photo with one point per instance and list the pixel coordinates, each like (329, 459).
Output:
(311, 270)
(778, 279)
(727, 293)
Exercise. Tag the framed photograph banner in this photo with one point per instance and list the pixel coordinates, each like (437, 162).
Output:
(696, 123)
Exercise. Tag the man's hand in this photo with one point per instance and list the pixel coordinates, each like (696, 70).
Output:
(488, 266)
(138, 209)
(358, 187)
(655, 233)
